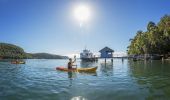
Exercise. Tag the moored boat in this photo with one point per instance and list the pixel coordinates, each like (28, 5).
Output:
(86, 55)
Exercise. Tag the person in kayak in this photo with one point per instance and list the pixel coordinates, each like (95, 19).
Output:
(70, 63)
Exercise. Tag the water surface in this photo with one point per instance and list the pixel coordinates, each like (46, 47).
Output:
(127, 80)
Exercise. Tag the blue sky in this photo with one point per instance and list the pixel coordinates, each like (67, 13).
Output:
(49, 25)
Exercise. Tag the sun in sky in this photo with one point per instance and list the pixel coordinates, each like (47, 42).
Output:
(82, 13)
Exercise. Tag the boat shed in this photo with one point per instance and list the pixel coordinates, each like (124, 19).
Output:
(106, 52)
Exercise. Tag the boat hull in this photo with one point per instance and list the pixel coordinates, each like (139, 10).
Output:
(88, 70)
(17, 62)
(89, 59)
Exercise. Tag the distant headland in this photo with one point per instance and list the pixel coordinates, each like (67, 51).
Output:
(11, 51)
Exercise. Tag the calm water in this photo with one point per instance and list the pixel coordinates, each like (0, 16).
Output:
(128, 80)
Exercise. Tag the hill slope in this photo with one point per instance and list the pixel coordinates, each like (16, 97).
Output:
(10, 51)
(46, 56)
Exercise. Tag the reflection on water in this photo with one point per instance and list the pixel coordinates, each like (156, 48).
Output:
(70, 74)
(78, 98)
(106, 68)
(153, 76)
(122, 80)
(85, 64)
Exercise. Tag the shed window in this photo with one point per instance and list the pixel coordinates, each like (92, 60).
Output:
(109, 53)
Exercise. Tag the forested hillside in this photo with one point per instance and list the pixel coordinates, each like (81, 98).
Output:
(10, 51)
(155, 40)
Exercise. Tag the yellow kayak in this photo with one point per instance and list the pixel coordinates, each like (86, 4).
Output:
(88, 70)
(18, 62)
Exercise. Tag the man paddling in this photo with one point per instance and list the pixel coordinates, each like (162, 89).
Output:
(70, 63)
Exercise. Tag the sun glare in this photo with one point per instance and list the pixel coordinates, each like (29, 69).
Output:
(82, 13)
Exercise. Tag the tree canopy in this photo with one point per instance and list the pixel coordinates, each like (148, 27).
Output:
(155, 40)
(11, 51)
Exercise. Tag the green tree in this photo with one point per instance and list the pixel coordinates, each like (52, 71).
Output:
(156, 40)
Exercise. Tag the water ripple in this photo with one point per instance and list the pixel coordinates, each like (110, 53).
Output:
(38, 80)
